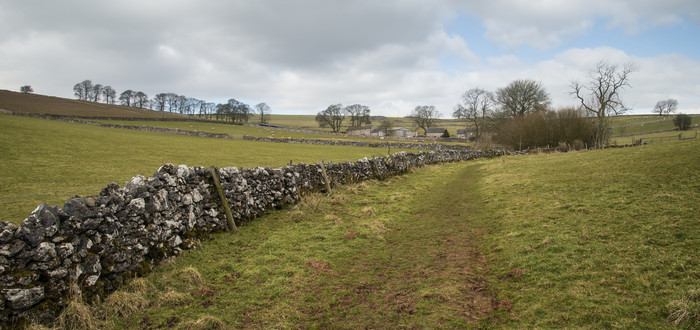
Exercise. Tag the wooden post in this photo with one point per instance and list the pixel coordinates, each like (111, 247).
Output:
(325, 177)
(224, 202)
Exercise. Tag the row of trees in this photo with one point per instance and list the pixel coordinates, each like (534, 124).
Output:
(520, 113)
(335, 114)
(233, 110)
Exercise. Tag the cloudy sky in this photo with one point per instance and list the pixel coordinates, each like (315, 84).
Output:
(391, 55)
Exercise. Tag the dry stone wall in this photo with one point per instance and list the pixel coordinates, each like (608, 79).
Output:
(95, 243)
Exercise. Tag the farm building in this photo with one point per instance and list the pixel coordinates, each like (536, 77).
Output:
(360, 130)
(402, 132)
(435, 132)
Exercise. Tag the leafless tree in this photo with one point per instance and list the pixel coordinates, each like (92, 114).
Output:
(126, 97)
(332, 117)
(522, 96)
(109, 94)
(359, 114)
(263, 110)
(159, 101)
(666, 107)
(96, 92)
(26, 89)
(476, 108)
(82, 89)
(425, 116)
(140, 100)
(601, 96)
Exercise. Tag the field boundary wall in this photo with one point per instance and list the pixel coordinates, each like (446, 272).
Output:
(93, 244)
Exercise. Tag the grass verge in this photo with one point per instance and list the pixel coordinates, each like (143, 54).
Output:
(49, 161)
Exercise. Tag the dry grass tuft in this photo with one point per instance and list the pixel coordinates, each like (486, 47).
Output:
(206, 322)
(187, 278)
(686, 309)
(171, 298)
(368, 212)
(124, 304)
(297, 216)
(312, 202)
(331, 217)
(77, 315)
(140, 286)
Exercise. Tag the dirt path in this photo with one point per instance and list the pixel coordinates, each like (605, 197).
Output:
(427, 272)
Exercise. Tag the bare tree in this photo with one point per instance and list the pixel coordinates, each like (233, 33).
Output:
(332, 117)
(126, 97)
(263, 110)
(359, 114)
(666, 107)
(109, 94)
(159, 101)
(522, 96)
(476, 107)
(96, 92)
(425, 116)
(82, 89)
(26, 89)
(140, 100)
(239, 111)
(601, 96)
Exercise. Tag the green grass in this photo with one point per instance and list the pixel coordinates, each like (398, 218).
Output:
(652, 138)
(396, 253)
(50, 161)
(605, 238)
(594, 239)
(235, 131)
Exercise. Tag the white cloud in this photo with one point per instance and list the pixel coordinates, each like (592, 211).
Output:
(304, 55)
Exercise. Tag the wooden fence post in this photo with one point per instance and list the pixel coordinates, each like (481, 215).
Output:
(325, 178)
(222, 197)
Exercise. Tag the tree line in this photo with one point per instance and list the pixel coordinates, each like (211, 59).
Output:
(233, 110)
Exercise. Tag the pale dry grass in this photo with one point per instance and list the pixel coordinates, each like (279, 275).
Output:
(206, 322)
(686, 309)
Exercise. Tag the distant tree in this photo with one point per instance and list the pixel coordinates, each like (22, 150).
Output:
(666, 107)
(140, 100)
(82, 90)
(521, 97)
(263, 110)
(424, 116)
(26, 89)
(95, 93)
(209, 108)
(239, 111)
(159, 101)
(601, 96)
(386, 124)
(359, 115)
(682, 121)
(332, 117)
(172, 101)
(476, 108)
(109, 94)
(126, 97)
(446, 134)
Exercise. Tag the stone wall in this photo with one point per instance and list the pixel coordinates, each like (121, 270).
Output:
(96, 242)
(397, 145)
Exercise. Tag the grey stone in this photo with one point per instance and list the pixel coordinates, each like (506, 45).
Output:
(23, 298)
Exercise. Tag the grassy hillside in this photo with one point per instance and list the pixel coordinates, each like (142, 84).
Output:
(49, 161)
(594, 239)
(35, 103)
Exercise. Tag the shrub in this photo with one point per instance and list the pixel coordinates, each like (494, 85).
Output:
(682, 121)
(545, 129)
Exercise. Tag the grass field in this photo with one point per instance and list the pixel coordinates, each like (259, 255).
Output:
(595, 239)
(35, 103)
(50, 161)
